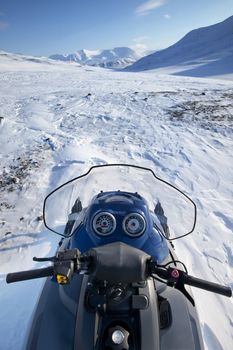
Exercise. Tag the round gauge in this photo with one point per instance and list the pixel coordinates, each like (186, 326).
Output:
(104, 223)
(134, 224)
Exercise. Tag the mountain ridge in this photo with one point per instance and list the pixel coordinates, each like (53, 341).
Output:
(117, 57)
(200, 46)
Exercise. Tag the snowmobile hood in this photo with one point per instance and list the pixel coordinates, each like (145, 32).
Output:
(125, 213)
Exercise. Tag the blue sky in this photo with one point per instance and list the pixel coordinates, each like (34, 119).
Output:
(44, 27)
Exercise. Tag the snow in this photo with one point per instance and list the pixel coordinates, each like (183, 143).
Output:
(203, 52)
(57, 120)
(12, 62)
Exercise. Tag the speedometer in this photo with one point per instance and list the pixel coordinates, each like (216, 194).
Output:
(104, 223)
(134, 224)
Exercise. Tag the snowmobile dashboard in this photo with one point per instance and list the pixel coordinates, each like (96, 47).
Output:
(127, 212)
(120, 216)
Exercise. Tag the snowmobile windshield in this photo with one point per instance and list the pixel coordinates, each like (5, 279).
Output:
(178, 208)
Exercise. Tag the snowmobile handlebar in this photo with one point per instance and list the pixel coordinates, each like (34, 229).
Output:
(209, 286)
(67, 262)
(30, 274)
(177, 277)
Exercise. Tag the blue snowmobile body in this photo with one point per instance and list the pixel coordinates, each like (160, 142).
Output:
(119, 283)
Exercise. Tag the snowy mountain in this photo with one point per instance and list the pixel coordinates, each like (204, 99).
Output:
(116, 58)
(202, 52)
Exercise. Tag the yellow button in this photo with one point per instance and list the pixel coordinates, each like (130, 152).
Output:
(61, 279)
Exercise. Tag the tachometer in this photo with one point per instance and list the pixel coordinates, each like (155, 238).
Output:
(134, 224)
(104, 223)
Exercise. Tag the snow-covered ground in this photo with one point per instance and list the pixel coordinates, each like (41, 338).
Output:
(57, 120)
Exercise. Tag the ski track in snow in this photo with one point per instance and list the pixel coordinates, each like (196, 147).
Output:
(56, 123)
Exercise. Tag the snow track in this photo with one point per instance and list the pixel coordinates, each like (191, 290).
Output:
(57, 122)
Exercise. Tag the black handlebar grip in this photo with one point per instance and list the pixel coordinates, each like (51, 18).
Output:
(160, 272)
(209, 286)
(28, 275)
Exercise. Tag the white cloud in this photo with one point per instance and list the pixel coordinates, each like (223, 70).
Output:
(148, 6)
(140, 44)
(139, 48)
(167, 16)
(140, 39)
(3, 25)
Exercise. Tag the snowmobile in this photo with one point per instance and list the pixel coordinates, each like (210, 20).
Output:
(115, 282)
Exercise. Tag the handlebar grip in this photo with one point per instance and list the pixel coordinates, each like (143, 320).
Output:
(209, 286)
(28, 275)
